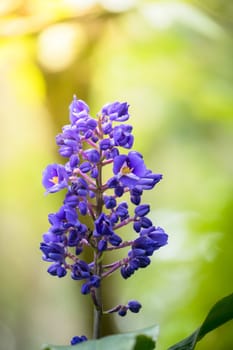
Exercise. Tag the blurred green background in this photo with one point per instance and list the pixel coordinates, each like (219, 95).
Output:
(172, 61)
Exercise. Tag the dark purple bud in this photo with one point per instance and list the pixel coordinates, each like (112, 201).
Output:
(94, 138)
(88, 134)
(119, 191)
(127, 271)
(71, 216)
(91, 123)
(95, 281)
(122, 210)
(136, 191)
(113, 182)
(92, 155)
(113, 218)
(76, 340)
(80, 187)
(71, 200)
(86, 287)
(57, 270)
(116, 111)
(136, 200)
(80, 270)
(91, 194)
(85, 167)
(137, 226)
(106, 144)
(102, 245)
(115, 240)
(138, 250)
(110, 202)
(73, 238)
(143, 261)
(142, 210)
(107, 128)
(82, 208)
(74, 161)
(134, 306)
(94, 172)
(111, 154)
(123, 311)
(66, 151)
(145, 222)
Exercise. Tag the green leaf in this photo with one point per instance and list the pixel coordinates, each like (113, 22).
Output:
(139, 340)
(220, 313)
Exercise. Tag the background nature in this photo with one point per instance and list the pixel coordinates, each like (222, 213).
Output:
(172, 61)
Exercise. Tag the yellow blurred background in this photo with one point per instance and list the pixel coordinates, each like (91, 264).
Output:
(172, 61)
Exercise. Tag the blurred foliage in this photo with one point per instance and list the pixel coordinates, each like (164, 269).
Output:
(173, 62)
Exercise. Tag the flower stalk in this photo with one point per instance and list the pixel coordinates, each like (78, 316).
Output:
(90, 144)
(98, 307)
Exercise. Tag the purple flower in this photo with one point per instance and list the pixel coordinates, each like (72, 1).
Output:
(54, 252)
(66, 217)
(122, 136)
(149, 180)
(55, 178)
(129, 169)
(91, 146)
(157, 234)
(53, 237)
(116, 111)
(103, 226)
(78, 110)
(80, 270)
(69, 141)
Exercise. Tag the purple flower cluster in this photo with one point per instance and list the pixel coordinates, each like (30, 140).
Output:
(91, 145)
